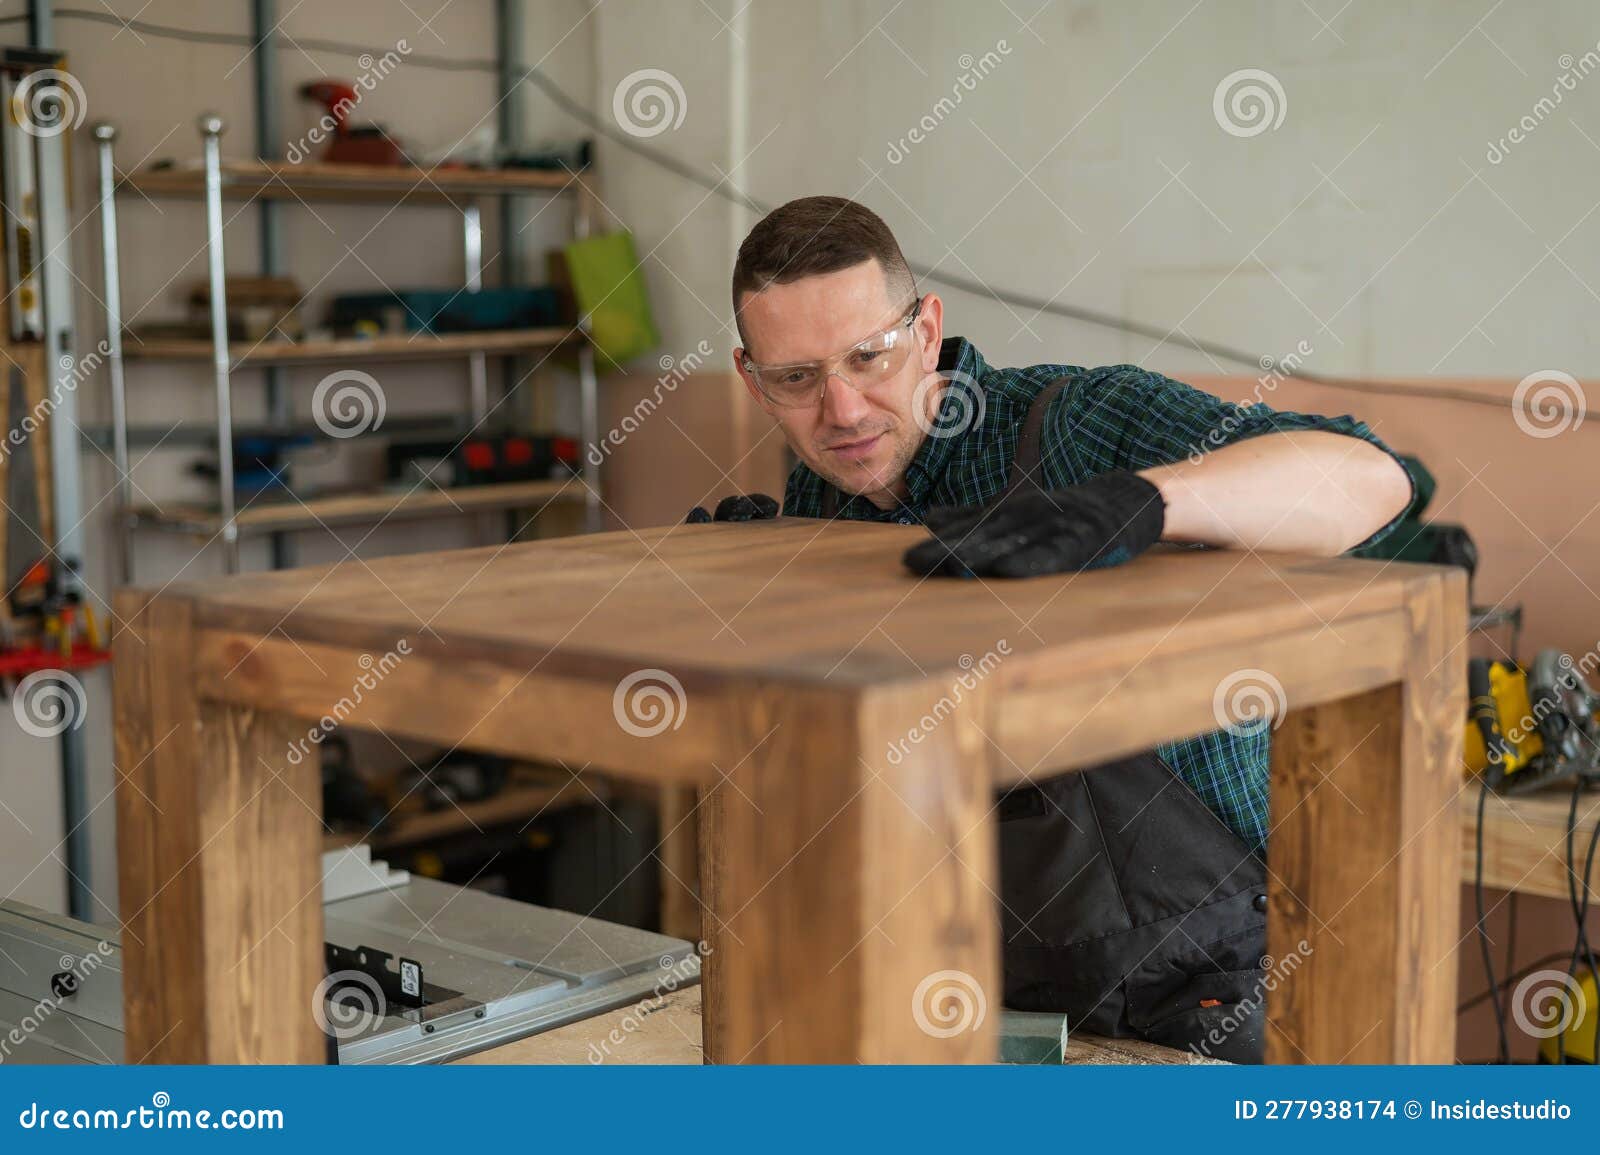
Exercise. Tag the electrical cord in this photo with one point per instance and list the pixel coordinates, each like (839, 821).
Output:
(1483, 934)
(1512, 979)
(1580, 910)
(719, 186)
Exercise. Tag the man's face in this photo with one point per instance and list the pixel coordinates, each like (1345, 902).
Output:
(861, 441)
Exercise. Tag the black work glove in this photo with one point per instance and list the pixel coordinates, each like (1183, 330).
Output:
(738, 507)
(1105, 521)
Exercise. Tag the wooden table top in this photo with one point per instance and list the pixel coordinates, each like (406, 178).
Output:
(790, 600)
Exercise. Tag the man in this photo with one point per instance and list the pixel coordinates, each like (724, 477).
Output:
(1132, 893)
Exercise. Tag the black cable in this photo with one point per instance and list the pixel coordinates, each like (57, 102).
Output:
(1511, 946)
(720, 187)
(1512, 979)
(1580, 910)
(1483, 934)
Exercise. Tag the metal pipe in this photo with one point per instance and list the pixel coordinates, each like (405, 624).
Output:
(477, 363)
(105, 136)
(55, 229)
(269, 147)
(510, 35)
(211, 129)
(589, 434)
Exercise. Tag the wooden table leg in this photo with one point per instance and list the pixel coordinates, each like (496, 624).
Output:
(219, 861)
(1365, 861)
(848, 873)
(680, 896)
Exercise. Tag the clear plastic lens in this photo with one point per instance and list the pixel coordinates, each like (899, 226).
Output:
(874, 360)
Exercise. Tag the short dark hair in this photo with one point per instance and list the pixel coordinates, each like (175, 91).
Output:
(811, 236)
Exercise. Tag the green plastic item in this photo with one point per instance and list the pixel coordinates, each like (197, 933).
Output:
(608, 286)
(1032, 1037)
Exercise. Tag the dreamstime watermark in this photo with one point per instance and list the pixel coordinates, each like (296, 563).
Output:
(1275, 371)
(48, 102)
(948, 1003)
(972, 673)
(1249, 102)
(374, 671)
(649, 102)
(348, 403)
(1573, 673)
(1548, 403)
(372, 71)
(649, 702)
(48, 703)
(160, 1115)
(1248, 700)
(674, 372)
(65, 983)
(972, 70)
(1277, 972)
(1547, 1003)
(683, 972)
(1572, 71)
(75, 371)
(347, 1004)
(948, 403)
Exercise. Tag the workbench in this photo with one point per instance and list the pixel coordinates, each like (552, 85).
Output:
(848, 725)
(1525, 840)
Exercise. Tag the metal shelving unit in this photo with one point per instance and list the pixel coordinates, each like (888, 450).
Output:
(213, 180)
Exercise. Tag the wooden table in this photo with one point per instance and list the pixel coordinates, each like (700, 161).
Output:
(848, 725)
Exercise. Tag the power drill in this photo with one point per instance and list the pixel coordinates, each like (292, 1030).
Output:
(361, 144)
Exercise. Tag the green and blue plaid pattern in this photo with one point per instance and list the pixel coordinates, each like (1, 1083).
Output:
(1104, 419)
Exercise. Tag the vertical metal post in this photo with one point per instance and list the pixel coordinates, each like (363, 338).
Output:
(105, 136)
(477, 363)
(589, 434)
(55, 271)
(510, 37)
(509, 28)
(269, 147)
(211, 128)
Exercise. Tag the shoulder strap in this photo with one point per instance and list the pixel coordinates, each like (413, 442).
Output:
(1025, 461)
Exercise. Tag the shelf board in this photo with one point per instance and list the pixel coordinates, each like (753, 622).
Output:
(186, 435)
(279, 516)
(395, 347)
(412, 825)
(357, 183)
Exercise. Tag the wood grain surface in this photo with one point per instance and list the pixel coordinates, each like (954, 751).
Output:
(846, 724)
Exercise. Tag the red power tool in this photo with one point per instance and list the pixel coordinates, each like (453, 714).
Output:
(351, 144)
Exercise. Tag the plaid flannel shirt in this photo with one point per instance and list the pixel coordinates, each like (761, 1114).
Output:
(1109, 418)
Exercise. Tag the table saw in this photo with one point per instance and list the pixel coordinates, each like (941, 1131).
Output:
(420, 972)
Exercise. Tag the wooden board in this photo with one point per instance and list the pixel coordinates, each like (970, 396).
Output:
(389, 347)
(365, 183)
(275, 516)
(665, 1031)
(1525, 840)
(806, 601)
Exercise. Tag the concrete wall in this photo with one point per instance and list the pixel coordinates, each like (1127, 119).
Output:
(1071, 151)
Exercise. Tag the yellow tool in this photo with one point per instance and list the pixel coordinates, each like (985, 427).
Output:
(1576, 1043)
(1500, 720)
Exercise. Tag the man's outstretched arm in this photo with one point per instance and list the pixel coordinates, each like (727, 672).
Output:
(1303, 491)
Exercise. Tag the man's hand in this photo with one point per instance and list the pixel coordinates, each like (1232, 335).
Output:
(1105, 521)
(738, 507)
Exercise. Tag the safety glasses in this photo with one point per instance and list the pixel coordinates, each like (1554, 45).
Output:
(869, 363)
